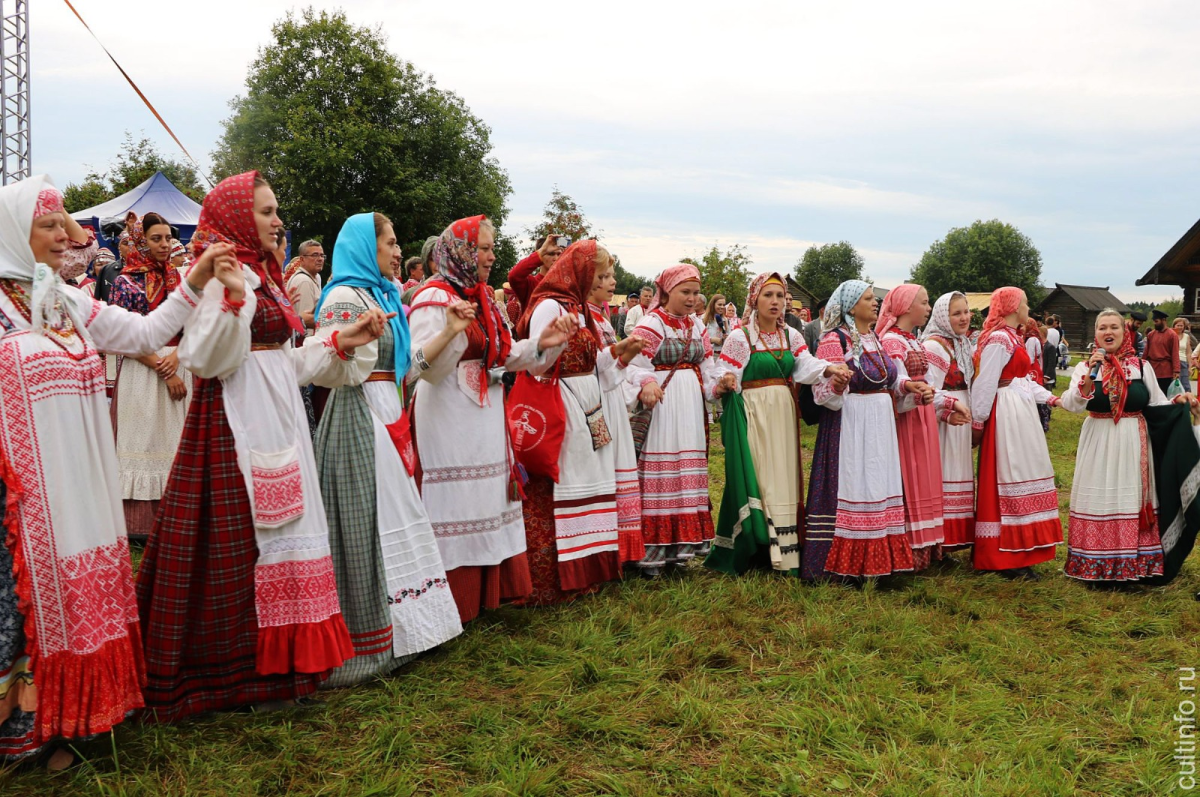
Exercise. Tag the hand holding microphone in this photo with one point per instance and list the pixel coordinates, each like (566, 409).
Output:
(1097, 359)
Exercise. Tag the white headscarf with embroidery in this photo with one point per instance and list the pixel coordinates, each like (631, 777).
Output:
(939, 325)
(20, 204)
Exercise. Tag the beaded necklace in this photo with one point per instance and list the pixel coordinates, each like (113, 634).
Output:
(60, 336)
(777, 354)
(879, 360)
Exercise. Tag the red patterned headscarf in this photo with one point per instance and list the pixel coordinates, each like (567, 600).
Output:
(568, 282)
(1113, 373)
(670, 279)
(161, 278)
(227, 216)
(456, 255)
(895, 304)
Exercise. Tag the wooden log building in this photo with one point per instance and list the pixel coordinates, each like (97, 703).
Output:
(1077, 307)
(1181, 266)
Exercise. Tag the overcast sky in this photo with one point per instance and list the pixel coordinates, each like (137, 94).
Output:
(773, 125)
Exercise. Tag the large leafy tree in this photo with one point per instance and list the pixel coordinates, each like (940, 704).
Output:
(983, 257)
(726, 273)
(339, 125)
(823, 268)
(134, 164)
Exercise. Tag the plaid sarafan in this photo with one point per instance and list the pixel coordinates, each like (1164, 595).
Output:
(195, 587)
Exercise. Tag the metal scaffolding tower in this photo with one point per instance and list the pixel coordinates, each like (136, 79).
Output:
(14, 90)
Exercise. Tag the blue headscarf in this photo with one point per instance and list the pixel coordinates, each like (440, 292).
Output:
(837, 312)
(355, 266)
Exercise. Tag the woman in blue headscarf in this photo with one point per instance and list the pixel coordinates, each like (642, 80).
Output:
(855, 511)
(391, 583)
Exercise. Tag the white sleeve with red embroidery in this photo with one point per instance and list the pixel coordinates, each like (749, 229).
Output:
(987, 381)
(342, 308)
(216, 338)
(1073, 398)
(808, 369)
(317, 361)
(830, 350)
(115, 330)
(735, 354)
(426, 321)
(545, 314)
(641, 369)
(939, 364)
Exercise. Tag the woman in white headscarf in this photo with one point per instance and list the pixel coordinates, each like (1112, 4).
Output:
(949, 351)
(70, 652)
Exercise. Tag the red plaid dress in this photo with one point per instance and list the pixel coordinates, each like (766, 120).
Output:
(195, 587)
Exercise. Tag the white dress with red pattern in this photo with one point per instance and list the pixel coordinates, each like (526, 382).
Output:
(676, 513)
(954, 445)
(1016, 518)
(74, 668)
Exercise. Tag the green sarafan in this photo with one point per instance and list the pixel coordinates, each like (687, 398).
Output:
(947, 683)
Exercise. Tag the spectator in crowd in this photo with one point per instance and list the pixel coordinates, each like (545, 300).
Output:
(812, 330)
(1187, 344)
(635, 313)
(304, 286)
(619, 325)
(1136, 319)
(1162, 351)
(526, 274)
(415, 270)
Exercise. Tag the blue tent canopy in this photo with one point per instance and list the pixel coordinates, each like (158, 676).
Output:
(158, 194)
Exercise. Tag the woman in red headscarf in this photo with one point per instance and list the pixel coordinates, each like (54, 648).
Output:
(675, 373)
(150, 399)
(571, 525)
(904, 308)
(1016, 515)
(1115, 531)
(236, 590)
(1035, 340)
(469, 480)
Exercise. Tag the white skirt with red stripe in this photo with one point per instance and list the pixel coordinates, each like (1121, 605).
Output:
(585, 496)
(674, 467)
(958, 479)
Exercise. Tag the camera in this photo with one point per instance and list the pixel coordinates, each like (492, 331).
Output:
(562, 242)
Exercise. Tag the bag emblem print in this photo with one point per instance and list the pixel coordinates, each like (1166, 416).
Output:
(529, 427)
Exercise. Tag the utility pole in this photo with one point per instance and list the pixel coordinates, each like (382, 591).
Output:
(14, 90)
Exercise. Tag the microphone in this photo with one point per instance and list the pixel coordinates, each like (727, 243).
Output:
(1095, 374)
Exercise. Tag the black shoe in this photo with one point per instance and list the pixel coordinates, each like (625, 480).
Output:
(1019, 574)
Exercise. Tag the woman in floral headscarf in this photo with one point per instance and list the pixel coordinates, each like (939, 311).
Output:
(1116, 534)
(150, 400)
(571, 523)
(675, 373)
(470, 482)
(948, 351)
(1016, 510)
(855, 510)
(236, 589)
(761, 519)
(70, 650)
(905, 308)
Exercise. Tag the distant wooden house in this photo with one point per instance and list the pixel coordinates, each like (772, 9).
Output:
(1077, 307)
(802, 297)
(1181, 266)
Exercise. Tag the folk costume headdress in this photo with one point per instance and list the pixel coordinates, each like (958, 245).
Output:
(1004, 302)
(837, 312)
(897, 302)
(161, 278)
(20, 204)
(227, 216)
(939, 326)
(670, 279)
(568, 282)
(455, 255)
(355, 265)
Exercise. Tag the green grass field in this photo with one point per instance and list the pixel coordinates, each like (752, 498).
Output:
(952, 683)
